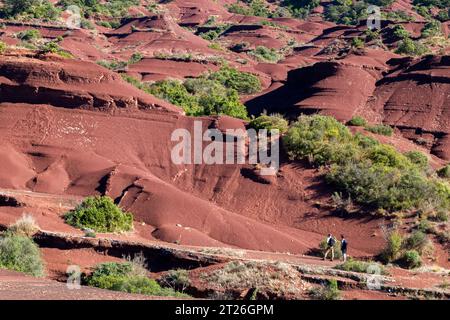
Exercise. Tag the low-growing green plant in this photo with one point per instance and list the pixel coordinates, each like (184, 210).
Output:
(265, 54)
(101, 215)
(242, 82)
(417, 158)
(123, 277)
(21, 254)
(360, 266)
(269, 122)
(381, 129)
(176, 279)
(3, 47)
(410, 259)
(330, 291)
(357, 43)
(393, 246)
(28, 35)
(410, 47)
(416, 241)
(357, 121)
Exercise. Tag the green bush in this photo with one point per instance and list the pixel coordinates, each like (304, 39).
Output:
(417, 158)
(242, 82)
(121, 277)
(360, 266)
(358, 43)
(265, 54)
(388, 156)
(176, 279)
(400, 32)
(330, 291)
(97, 8)
(392, 250)
(381, 129)
(410, 259)
(357, 121)
(416, 241)
(274, 121)
(21, 254)
(29, 35)
(3, 47)
(29, 9)
(101, 215)
(432, 28)
(320, 138)
(346, 12)
(256, 8)
(411, 48)
(200, 96)
(370, 173)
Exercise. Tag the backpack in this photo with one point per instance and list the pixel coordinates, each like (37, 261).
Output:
(331, 242)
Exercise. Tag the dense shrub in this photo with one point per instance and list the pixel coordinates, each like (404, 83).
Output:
(357, 43)
(320, 138)
(21, 254)
(410, 259)
(432, 28)
(28, 35)
(200, 96)
(265, 54)
(270, 122)
(371, 173)
(346, 12)
(96, 8)
(300, 8)
(29, 9)
(417, 158)
(123, 277)
(400, 32)
(416, 241)
(411, 47)
(101, 215)
(393, 247)
(257, 8)
(357, 121)
(381, 129)
(242, 82)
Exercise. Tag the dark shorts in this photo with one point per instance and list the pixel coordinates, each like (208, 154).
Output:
(344, 251)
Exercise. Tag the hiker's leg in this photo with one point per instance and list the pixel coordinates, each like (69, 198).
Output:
(332, 253)
(326, 254)
(344, 256)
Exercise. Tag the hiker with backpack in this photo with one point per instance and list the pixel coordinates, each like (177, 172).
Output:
(344, 247)
(331, 241)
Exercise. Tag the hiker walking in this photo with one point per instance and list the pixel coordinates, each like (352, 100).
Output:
(344, 248)
(331, 241)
